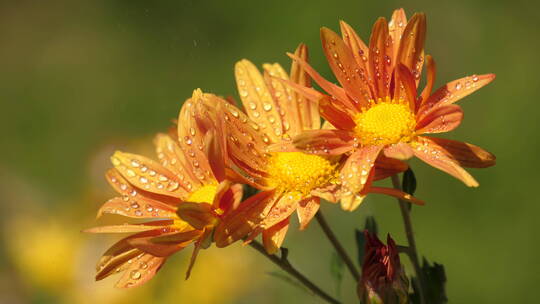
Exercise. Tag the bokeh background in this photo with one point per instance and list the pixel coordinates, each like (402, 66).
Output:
(80, 79)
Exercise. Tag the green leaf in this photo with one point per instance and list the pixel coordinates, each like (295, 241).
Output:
(371, 225)
(434, 284)
(408, 183)
(336, 269)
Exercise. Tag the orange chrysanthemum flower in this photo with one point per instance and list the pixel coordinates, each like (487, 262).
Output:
(291, 180)
(181, 198)
(377, 111)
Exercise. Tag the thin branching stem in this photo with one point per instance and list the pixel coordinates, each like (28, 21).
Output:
(337, 245)
(286, 266)
(411, 250)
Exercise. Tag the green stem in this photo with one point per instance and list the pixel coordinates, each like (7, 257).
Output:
(337, 245)
(286, 266)
(411, 252)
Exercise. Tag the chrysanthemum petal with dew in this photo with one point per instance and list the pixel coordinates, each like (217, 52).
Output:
(183, 196)
(378, 108)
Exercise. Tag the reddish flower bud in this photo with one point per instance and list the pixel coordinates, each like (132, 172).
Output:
(383, 279)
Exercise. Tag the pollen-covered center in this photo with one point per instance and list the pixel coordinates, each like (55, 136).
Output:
(385, 122)
(299, 173)
(205, 194)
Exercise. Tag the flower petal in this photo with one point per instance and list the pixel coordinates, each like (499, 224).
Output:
(116, 263)
(380, 54)
(285, 99)
(357, 46)
(345, 68)
(196, 119)
(274, 236)
(354, 174)
(282, 209)
(407, 87)
(411, 46)
(125, 228)
(336, 113)
(431, 153)
(467, 155)
(395, 28)
(242, 221)
(324, 142)
(139, 207)
(306, 210)
(430, 79)
(245, 144)
(173, 158)
(326, 85)
(147, 174)
(386, 167)
(257, 101)
(140, 271)
(397, 194)
(454, 91)
(198, 215)
(308, 109)
(401, 151)
(351, 202)
(440, 120)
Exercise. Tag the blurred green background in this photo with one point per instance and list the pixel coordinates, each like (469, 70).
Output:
(80, 79)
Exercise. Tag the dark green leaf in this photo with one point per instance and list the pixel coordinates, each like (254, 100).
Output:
(409, 182)
(371, 225)
(360, 245)
(434, 278)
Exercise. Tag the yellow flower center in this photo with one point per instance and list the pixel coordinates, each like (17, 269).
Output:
(205, 194)
(298, 173)
(385, 122)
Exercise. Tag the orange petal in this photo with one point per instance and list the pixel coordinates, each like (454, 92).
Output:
(431, 73)
(285, 99)
(140, 271)
(411, 47)
(257, 101)
(126, 228)
(407, 87)
(351, 202)
(147, 174)
(336, 113)
(173, 158)
(216, 151)
(380, 56)
(242, 221)
(440, 120)
(196, 119)
(401, 151)
(116, 263)
(326, 85)
(386, 167)
(354, 174)
(325, 142)
(281, 210)
(122, 186)
(330, 193)
(397, 194)
(198, 215)
(139, 207)
(345, 68)
(431, 153)
(166, 244)
(357, 46)
(454, 91)
(395, 28)
(467, 155)
(198, 245)
(308, 109)
(306, 210)
(274, 236)
(245, 145)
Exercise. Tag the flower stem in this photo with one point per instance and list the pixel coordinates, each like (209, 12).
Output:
(411, 250)
(337, 245)
(285, 265)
